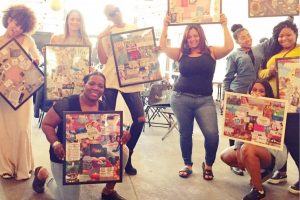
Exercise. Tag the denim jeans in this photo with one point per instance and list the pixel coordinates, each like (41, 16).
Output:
(188, 107)
(71, 192)
(136, 108)
(62, 192)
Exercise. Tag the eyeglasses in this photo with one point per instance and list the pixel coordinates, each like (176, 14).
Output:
(114, 12)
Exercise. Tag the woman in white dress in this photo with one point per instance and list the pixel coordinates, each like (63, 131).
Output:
(16, 158)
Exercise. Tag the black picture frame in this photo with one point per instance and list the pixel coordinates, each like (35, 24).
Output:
(92, 144)
(135, 57)
(65, 67)
(20, 76)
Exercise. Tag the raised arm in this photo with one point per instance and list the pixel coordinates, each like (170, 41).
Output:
(173, 53)
(220, 52)
(101, 52)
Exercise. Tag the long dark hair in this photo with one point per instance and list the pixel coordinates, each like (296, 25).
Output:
(276, 47)
(185, 49)
(267, 86)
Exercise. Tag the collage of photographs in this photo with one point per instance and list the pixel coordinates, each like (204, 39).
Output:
(93, 153)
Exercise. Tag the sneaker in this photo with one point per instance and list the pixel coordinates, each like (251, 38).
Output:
(254, 195)
(265, 175)
(278, 178)
(294, 189)
(237, 171)
(38, 185)
(112, 196)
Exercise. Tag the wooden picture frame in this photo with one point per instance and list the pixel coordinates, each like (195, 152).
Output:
(255, 120)
(184, 12)
(20, 77)
(93, 150)
(65, 67)
(135, 57)
(288, 81)
(267, 8)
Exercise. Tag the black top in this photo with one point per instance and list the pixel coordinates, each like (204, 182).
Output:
(196, 75)
(70, 103)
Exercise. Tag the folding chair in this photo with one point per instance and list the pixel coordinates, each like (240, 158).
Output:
(159, 105)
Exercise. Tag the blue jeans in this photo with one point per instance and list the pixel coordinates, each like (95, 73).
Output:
(62, 192)
(136, 108)
(188, 107)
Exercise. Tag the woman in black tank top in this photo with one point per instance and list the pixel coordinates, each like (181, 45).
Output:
(192, 96)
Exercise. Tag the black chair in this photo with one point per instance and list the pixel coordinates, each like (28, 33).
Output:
(158, 105)
(41, 105)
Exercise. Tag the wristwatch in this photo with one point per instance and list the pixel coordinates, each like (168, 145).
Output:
(55, 144)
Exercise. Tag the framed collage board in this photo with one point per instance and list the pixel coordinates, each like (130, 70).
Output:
(184, 12)
(20, 77)
(93, 151)
(267, 8)
(288, 81)
(256, 120)
(135, 57)
(65, 67)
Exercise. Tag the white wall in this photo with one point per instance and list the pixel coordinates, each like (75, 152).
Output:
(151, 13)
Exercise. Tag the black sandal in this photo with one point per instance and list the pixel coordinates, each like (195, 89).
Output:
(207, 173)
(185, 172)
(37, 184)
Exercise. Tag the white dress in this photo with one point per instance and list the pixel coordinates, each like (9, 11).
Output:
(16, 157)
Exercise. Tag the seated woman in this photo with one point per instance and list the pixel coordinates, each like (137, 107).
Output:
(260, 162)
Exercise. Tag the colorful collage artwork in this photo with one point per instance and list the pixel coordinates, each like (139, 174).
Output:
(256, 120)
(271, 8)
(20, 77)
(65, 68)
(288, 81)
(194, 11)
(93, 151)
(135, 57)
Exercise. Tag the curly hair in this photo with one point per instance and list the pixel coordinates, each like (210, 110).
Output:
(276, 47)
(278, 28)
(185, 49)
(24, 17)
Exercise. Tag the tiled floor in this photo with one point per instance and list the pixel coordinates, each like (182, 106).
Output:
(158, 163)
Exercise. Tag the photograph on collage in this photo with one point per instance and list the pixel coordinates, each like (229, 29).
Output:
(93, 149)
(65, 67)
(20, 77)
(256, 120)
(184, 12)
(135, 57)
(288, 81)
(267, 8)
